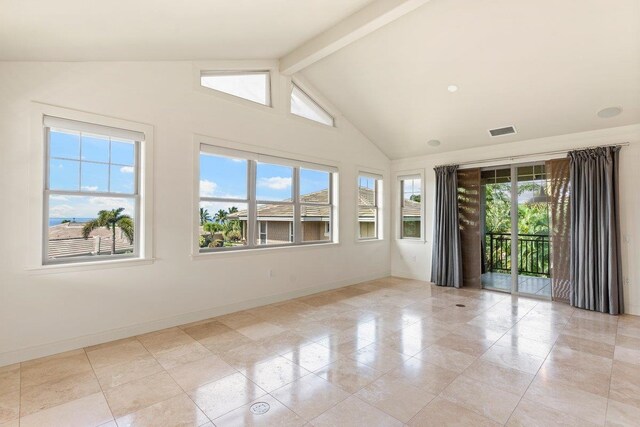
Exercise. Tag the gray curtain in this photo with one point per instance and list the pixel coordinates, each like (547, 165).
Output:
(446, 257)
(596, 271)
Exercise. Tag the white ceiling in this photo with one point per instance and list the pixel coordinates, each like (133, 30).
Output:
(544, 66)
(81, 30)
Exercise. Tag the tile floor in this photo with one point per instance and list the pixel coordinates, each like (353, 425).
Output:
(389, 352)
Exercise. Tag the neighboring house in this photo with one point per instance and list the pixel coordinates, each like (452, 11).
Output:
(275, 221)
(65, 240)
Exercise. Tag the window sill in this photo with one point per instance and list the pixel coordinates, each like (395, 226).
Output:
(88, 266)
(261, 251)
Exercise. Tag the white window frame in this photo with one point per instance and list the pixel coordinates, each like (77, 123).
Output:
(315, 103)
(400, 180)
(63, 118)
(377, 206)
(265, 72)
(253, 159)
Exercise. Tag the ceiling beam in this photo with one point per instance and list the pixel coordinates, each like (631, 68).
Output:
(354, 27)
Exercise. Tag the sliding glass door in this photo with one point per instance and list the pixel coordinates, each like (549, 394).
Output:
(515, 222)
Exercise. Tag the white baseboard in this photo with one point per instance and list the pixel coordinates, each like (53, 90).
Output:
(33, 352)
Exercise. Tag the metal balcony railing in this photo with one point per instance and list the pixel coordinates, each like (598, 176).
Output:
(533, 253)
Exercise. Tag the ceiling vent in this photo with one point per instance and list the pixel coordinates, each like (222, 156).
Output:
(502, 131)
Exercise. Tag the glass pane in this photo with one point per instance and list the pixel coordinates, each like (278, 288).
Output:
(496, 203)
(122, 152)
(411, 210)
(250, 86)
(302, 105)
(273, 182)
(95, 177)
(367, 220)
(222, 224)
(533, 232)
(366, 191)
(64, 175)
(274, 224)
(95, 148)
(122, 179)
(314, 186)
(316, 223)
(411, 223)
(223, 177)
(64, 144)
(78, 226)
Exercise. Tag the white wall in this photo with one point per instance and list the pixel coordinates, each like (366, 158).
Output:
(413, 259)
(43, 313)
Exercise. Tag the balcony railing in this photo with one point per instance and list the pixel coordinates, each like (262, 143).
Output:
(533, 253)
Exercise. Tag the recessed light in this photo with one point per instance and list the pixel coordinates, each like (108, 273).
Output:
(433, 142)
(452, 88)
(609, 112)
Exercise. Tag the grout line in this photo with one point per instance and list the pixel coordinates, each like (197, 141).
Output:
(104, 396)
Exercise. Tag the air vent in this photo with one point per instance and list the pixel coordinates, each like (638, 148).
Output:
(502, 131)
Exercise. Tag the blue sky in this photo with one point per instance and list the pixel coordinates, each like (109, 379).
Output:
(227, 178)
(90, 163)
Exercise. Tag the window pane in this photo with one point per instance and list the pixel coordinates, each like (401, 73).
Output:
(64, 175)
(411, 223)
(412, 189)
(64, 144)
(251, 86)
(95, 148)
(95, 177)
(274, 222)
(273, 182)
(122, 179)
(303, 105)
(367, 222)
(366, 191)
(314, 186)
(71, 217)
(223, 177)
(222, 224)
(122, 152)
(316, 223)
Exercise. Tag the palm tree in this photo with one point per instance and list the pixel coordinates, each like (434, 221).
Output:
(233, 209)
(111, 219)
(221, 216)
(204, 216)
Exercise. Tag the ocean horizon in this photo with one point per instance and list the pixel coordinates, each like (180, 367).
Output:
(57, 221)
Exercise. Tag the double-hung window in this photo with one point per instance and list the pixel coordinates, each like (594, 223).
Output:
(249, 200)
(92, 192)
(411, 207)
(369, 197)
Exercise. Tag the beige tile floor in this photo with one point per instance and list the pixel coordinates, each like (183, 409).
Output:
(389, 352)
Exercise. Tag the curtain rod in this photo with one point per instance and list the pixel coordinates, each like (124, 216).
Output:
(524, 156)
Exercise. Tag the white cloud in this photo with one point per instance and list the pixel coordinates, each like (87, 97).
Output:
(126, 169)
(58, 197)
(90, 187)
(207, 188)
(275, 183)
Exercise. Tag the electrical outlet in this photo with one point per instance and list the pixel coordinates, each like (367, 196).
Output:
(270, 273)
(413, 258)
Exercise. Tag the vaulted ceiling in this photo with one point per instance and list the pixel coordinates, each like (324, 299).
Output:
(546, 67)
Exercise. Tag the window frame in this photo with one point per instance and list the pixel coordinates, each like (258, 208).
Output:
(240, 72)
(37, 257)
(377, 206)
(400, 223)
(253, 231)
(294, 85)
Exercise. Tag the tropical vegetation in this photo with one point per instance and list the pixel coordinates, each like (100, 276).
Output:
(111, 219)
(220, 229)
